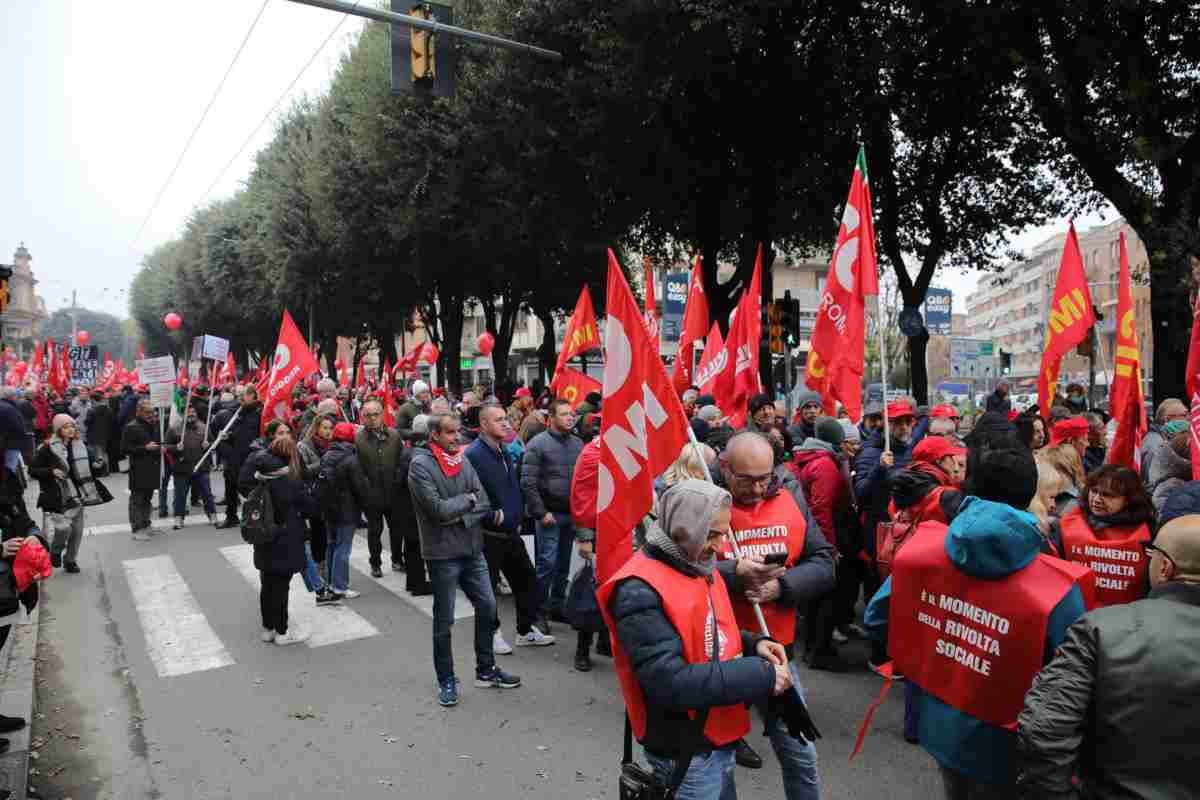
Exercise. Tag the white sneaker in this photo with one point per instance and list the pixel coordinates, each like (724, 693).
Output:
(840, 637)
(268, 635)
(499, 646)
(293, 636)
(140, 537)
(502, 585)
(350, 594)
(535, 638)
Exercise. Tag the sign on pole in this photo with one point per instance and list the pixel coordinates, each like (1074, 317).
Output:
(937, 311)
(213, 347)
(160, 369)
(85, 365)
(972, 358)
(162, 394)
(674, 301)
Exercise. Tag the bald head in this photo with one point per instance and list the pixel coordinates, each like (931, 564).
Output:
(1176, 556)
(747, 465)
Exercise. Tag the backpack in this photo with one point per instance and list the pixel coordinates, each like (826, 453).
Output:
(258, 516)
(323, 488)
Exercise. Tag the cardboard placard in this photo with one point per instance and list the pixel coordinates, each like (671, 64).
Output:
(85, 365)
(160, 369)
(162, 394)
(207, 346)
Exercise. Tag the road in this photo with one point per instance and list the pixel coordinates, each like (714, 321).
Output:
(153, 683)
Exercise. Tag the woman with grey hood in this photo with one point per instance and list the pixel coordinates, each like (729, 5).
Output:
(677, 648)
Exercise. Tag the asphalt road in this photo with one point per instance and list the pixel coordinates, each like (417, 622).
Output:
(152, 682)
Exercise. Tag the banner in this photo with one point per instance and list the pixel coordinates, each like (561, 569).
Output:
(84, 365)
(937, 311)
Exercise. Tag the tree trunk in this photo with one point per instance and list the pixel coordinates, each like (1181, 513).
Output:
(917, 371)
(450, 315)
(502, 329)
(1171, 312)
(548, 351)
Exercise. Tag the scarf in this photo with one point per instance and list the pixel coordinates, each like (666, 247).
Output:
(79, 484)
(662, 547)
(450, 464)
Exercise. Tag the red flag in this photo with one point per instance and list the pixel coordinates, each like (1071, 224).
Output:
(642, 430)
(343, 372)
(389, 400)
(713, 362)
(581, 334)
(651, 315)
(1128, 404)
(141, 352)
(361, 380)
(574, 386)
(737, 385)
(293, 363)
(64, 367)
(695, 325)
(835, 360)
(109, 374)
(39, 361)
(1193, 388)
(230, 372)
(1071, 319)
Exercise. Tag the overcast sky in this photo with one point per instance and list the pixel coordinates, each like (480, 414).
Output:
(98, 100)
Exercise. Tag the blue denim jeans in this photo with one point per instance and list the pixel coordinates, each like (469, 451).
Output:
(553, 547)
(311, 575)
(337, 556)
(709, 777)
(797, 761)
(183, 486)
(471, 574)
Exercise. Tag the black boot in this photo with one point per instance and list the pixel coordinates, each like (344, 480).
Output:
(583, 646)
(746, 757)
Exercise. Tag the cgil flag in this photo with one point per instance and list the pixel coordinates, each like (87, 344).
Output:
(1128, 404)
(835, 359)
(1071, 319)
(713, 362)
(580, 337)
(739, 383)
(1192, 377)
(642, 430)
(293, 363)
(574, 386)
(695, 324)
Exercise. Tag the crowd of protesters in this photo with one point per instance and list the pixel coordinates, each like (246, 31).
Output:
(1015, 516)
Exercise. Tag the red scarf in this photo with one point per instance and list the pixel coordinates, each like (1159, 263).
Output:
(450, 464)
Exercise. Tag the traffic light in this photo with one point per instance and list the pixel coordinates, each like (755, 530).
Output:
(423, 65)
(1005, 363)
(421, 61)
(791, 318)
(774, 313)
(5, 274)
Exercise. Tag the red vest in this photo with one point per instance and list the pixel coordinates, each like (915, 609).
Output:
(974, 644)
(690, 604)
(773, 526)
(1117, 558)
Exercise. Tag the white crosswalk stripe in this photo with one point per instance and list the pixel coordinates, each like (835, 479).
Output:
(179, 639)
(123, 527)
(394, 582)
(327, 624)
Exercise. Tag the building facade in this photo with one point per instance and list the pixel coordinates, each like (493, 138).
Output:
(1010, 308)
(26, 310)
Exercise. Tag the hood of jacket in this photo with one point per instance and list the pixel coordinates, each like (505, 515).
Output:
(911, 486)
(991, 540)
(1168, 464)
(814, 445)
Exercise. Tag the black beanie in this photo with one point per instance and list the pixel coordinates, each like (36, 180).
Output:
(760, 401)
(830, 431)
(1004, 476)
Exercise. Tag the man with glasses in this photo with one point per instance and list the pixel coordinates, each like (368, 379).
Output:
(770, 517)
(546, 475)
(1168, 410)
(1115, 708)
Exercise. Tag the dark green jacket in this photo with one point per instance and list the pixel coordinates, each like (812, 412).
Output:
(405, 416)
(378, 460)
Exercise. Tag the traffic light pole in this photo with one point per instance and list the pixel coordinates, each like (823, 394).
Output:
(433, 26)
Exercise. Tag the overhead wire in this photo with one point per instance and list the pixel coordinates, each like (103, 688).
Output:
(192, 137)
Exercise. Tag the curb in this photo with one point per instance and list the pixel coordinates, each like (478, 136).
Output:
(16, 700)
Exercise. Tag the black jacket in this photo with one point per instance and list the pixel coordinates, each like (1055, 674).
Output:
(144, 465)
(12, 428)
(998, 402)
(1115, 704)
(284, 555)
(671, 686)
(340, 462)
(99, 425)
(236, 447)
(499, 475)
(546, 472)
(182, 462)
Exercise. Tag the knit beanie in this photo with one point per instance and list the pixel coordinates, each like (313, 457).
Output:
(829, 430)
(805, 397)
(60, 420)
(850, 430)
(1005, 476)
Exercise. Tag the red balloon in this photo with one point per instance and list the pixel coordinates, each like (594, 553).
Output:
(173, 321)
(485, 343)
(429, 353)
(82, 338)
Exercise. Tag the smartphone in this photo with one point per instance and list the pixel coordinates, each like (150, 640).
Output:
(778, 559)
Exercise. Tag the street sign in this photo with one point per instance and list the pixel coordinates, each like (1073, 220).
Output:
(972, 358)
(156, 370)
(85, 365)
(937, 311)
(674, 301)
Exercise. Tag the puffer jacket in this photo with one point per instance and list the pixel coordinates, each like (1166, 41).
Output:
(871, 479)
(985, 540)
(1168, 471)
(826, 484)
(1108, 707)
(449, 523)
(1150, 444)
(546, 472)
(1180, 501)
(350, 491)
(673, 687)
(585, 489)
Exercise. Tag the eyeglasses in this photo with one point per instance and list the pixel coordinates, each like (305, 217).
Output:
(753, 480)
(1150, 549)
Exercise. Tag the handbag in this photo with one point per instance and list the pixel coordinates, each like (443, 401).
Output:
(637, 782)
(580, 606)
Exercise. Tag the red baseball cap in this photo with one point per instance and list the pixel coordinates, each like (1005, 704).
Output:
(523, 391)
(900, 409)
(933, 449)
(344, 432)
(945, 410)
(1067, 429)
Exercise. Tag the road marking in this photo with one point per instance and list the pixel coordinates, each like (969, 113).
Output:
(179, 639)
(123, 527)
(326, 625)
(360, 559)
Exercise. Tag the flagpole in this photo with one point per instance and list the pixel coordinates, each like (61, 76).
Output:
(887, 428)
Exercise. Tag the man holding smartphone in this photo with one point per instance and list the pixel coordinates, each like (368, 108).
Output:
(786, 562)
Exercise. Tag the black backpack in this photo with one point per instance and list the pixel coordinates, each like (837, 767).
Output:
(258, 516)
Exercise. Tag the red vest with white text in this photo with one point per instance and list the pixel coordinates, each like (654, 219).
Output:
(1116, 556)
(776, 525)
(690, 603)
(974, 644)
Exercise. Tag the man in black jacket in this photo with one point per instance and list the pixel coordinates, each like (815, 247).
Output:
(234, 447)
(186, 446)
(140, 441)
(378, 452)
(1113, 706)
(502, 545)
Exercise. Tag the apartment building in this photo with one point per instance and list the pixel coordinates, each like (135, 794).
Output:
(1009, 308)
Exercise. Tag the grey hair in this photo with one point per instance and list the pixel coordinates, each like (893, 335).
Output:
(690, 395)
(420, 424)
(710, 413)
(326, 385)
(436, 420)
